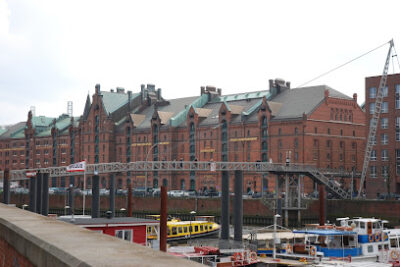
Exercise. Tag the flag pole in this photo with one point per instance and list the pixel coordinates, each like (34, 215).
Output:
(84, 188)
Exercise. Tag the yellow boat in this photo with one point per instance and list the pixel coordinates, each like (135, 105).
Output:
(179, 230)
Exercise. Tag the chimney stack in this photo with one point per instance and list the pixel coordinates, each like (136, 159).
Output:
(97, 88)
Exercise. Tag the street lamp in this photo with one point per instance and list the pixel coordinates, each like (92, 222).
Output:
(192, 213)
(24, 206)
(147, 158)
(122, 210)
(276, 216)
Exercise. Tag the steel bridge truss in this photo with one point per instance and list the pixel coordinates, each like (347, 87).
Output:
(318, 175)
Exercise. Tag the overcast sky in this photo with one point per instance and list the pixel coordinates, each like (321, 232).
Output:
(52, 52)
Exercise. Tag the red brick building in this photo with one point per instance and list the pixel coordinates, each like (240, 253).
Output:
(383, 176)
(312, 125)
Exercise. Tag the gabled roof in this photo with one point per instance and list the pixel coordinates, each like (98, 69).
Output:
(113, 101)
(13, 130)
(303, 100)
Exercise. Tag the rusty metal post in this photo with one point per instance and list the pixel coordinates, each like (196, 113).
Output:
(322, 214)
(163, 220)
(130, 210)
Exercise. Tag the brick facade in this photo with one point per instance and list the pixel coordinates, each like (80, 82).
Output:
(123, 127)
(384, 167)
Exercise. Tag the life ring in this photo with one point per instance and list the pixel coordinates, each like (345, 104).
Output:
(313, 251)
(371, 238)
(289, 249)
(236, 256)
(377, 236)
(253, 256)
(395, 255)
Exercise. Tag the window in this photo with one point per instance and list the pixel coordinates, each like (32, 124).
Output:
(385, 155)
(398, 154)
(329, 131)
(328, 156)
(384, 123)
(372, 171)
(279, 131)
(371, 108)
(296, 143)
(372, 92)
(385, 107)
(385, 91)
(384, 139)
(373, 139)
(328, 143)
(174, 232)
(196, 228)
(373, 155)
(397, 96)
(296, 131)
(315, 130)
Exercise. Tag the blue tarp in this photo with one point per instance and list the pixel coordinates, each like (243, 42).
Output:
(325, 232)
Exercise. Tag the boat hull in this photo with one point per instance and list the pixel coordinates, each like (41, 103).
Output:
(197, 235)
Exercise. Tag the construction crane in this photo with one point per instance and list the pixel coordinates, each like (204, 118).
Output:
(375, 117)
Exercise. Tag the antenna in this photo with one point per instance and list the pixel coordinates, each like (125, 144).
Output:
(69, 108)
(33, 110)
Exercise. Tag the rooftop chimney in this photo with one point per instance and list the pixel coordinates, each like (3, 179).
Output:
(97, 87)
(355, 97)
(120, 90)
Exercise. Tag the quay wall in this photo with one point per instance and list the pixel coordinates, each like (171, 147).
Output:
(385, 209)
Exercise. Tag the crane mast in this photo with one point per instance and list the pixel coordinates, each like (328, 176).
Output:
(374, 120)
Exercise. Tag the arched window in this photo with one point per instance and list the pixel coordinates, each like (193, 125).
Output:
(165, 182)
(155, 183)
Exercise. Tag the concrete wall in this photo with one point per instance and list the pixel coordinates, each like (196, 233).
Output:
(28, 239)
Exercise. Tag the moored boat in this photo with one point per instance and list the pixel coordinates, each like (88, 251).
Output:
(202, 226)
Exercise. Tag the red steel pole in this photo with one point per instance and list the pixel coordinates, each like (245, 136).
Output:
(163, 220)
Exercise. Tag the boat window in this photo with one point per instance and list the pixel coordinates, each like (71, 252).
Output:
(185, 229)
(379, 247)
(362, 225)
(168, 231)
(369, 228)
(174, 231)
(124, 234)
(393, 242)
(201, 228)
(375, 225)
(180, 230)
(190, 229)
(386, 246)
(370, 249)
(196, 228)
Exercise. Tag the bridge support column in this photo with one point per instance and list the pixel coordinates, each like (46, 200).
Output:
(278, 196)
(45, 194)
(322, 204)
(32, 194)
(38, 193)
(95, 196)
(238, 210)
(287, 200)
(224, 241)
(6, 187)
(112, 195)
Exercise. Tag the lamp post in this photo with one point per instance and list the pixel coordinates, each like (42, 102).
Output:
(65, 209)
(276, 216)
(190, 227)
(147, 158)
(24, 206)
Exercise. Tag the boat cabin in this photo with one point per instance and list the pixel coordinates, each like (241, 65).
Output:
(127, 228)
